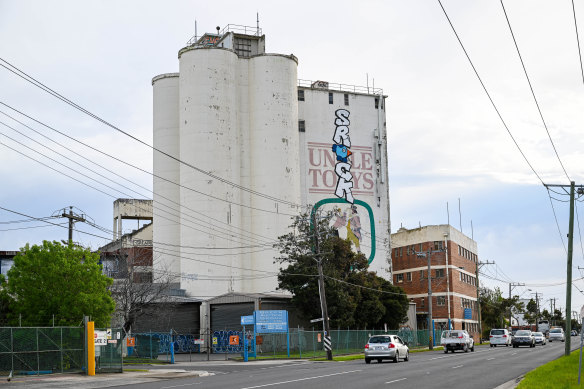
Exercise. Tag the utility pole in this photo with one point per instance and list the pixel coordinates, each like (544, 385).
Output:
(327, 338)
(572, 187)
(72, 219)
(478, 267)
(428, 255)
(511, 286)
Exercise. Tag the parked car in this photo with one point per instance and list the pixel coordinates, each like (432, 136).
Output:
(382, 347)
(557, 334)
(523, 338)
(457, 340)
(499, 336)
(539, 338)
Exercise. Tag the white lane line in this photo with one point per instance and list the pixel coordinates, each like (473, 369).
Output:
(179, 386)
(391, 382)
(490, 359)
(431, 359)
(456, 367)
(301, 379)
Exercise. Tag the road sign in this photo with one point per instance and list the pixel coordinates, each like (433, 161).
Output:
(247, 320)
(316, 320)
(215, 341)
(234, 340)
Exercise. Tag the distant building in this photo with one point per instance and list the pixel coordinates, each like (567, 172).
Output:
(6, 261)
(453, 272)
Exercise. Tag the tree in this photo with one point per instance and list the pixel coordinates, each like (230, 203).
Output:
(495, 309)
(530, 314)
(53, 283)
(355, 296)
(138, 292)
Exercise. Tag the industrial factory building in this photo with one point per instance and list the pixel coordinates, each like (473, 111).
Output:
(242, 146)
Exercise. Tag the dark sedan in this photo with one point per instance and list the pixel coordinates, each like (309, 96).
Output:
(523, 338)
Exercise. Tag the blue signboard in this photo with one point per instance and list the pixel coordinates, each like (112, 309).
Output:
(467, 313)
(271, 321)
(247, 320)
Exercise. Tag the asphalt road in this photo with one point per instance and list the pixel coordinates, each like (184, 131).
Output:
(486, 368)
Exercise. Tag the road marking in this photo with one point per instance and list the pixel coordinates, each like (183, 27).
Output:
(301, 379)
(490, 359)
(179, 386)
(391, 382)
(431, 359)
(456, 367)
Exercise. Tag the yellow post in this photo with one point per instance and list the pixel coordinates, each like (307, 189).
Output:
(90, 348)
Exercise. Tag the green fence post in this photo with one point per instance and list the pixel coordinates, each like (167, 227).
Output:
(299, 343)
(38, 353)
(150, 344)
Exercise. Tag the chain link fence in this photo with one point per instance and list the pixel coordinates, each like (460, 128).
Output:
(303, 343)
(41, 350)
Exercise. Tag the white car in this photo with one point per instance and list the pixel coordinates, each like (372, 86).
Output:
(381, 347)
(539, 338)
(499, 336)
(556, 334)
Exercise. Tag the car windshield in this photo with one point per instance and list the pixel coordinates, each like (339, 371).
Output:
(522, 333)
(497, 332)
(537, 334)
(379, 339)
(556, 331)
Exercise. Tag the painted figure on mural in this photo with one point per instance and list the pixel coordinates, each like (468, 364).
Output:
(350, 220)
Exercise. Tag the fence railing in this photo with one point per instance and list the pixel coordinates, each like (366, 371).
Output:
(41, 350)
(303, 343)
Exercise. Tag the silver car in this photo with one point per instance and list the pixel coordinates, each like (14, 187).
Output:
(539, 338)
(556, 334)
(382, 347)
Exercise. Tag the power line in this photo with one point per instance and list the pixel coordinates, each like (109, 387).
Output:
(124, 162)
(532, 92)
(578, 40)
(50, 91)
(488, 94)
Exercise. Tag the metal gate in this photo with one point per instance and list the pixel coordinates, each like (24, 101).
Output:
(41, 350)
(109, 358)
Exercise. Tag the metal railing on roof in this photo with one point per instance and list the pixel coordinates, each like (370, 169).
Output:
(235, 28)
(339, 87)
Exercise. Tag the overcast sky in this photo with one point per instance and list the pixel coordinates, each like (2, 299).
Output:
(446, 141)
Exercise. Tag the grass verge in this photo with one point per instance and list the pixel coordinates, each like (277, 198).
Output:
(561, 373)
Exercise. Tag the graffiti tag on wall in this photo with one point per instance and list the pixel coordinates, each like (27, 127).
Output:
(341, 148)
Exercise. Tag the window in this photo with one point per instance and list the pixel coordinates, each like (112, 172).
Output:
(439, 273)
(376, 103)
(346, 99)
(300, 94)
(440, 300)
(330, 98)
(438, 245)
(401, 251)
(420, 249)
(409, 276)
(421, 274)
(301, 126)
(399, 278)
(423, 304)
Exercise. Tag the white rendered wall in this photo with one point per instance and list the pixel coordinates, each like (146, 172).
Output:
(273, 152)
(166, 193)
(368, 136)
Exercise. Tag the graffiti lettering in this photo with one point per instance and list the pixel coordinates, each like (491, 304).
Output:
(341, 149)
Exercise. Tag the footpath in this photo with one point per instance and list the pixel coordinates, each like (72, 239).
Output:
(194, 365)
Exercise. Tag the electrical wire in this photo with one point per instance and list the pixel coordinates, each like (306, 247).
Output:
(532, 91)
(488, 94)
(127, 163)
(50, 91)
(578, 40)
(557, 224)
